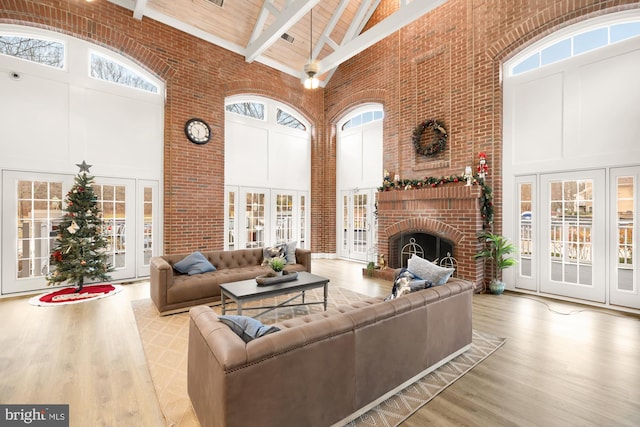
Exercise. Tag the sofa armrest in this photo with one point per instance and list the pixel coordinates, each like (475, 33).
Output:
(303, 257)
(161, 279)
(213, 349)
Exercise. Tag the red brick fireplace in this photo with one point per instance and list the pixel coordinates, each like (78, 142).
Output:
(449, 213)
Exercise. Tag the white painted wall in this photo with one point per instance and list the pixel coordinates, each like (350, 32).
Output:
(579, 114)
(51, 119)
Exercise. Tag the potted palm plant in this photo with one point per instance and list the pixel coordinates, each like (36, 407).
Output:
(498, 250)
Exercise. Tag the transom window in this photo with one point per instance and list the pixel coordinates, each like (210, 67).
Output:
(576, 44)
(249, 109)
(286, 119)
(41, 51)
(108, 69)
(364, 118)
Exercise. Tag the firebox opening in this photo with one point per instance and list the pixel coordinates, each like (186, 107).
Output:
(403, 245)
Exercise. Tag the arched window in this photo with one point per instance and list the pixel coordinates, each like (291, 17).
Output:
(359, 172)
(267, 173)
(285, 119)
(363, 118)
(108, 69)
(249, 109)
(567, 45)
(35, 49)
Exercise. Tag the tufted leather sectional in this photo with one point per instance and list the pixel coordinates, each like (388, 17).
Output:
(324, 368)
(172, 292)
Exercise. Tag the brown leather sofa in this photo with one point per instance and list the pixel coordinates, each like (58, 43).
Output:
(173, 292)
(327, 367)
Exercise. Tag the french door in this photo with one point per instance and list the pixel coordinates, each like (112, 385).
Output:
(577, 235)
(573, 234)
(32, 211)
(527, 256)
(147, 221)
(358, 237)
(624, 195)
(31, 215)
(258, 217)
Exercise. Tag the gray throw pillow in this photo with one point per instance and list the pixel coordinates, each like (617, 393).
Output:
(195, 263)
(290, 252)
(247, 328)
(427, 270)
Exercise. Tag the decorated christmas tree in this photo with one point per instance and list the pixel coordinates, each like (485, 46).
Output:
(80, 250)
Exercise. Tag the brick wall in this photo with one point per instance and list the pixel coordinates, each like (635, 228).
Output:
(446, 65)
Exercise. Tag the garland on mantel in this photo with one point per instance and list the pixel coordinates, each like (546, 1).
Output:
(486, 198)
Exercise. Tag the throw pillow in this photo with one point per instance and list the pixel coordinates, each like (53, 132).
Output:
(247, 328)
(405, 283)
(290, 252)
(268, 253)
(427, 270)
(195, 263)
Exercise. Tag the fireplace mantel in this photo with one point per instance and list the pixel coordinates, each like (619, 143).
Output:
(450, 192)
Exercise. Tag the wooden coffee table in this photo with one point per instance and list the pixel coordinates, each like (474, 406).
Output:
(248, 290)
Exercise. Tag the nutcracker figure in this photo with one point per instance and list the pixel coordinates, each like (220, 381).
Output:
(483, 168)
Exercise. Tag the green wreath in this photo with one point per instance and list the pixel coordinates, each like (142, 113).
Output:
(438, 142)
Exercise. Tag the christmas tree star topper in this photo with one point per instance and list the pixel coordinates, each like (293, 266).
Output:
(84, 167)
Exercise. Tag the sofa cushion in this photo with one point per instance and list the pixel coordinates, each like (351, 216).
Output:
(427, 270)
(194, 263)
(247, 328)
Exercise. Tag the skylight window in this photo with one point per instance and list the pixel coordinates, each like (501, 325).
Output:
(249, 109)
(286, 119)
(363, 118)
(585, 41)
(41, 51)
(105, 68)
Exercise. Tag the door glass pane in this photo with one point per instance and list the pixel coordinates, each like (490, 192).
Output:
(284, 218)
(39, 214)
(345, 222)
(526, 242)
(231, 221)
(625, 219)
(111, 201)
(360, 223)
(255, 217)
(570, 231)
(302, 241)
(148, 225)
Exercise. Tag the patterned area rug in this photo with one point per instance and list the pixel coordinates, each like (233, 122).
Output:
(165, 345)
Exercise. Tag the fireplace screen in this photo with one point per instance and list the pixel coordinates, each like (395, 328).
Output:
(427, 246)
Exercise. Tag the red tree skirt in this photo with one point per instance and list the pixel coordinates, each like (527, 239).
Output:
(70, 296)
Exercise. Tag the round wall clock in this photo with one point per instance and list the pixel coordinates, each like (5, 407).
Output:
(198, 131)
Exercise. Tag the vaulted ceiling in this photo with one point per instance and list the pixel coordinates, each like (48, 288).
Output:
(255, 28)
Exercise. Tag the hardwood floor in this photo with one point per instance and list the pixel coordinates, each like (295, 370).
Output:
(563, 364)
